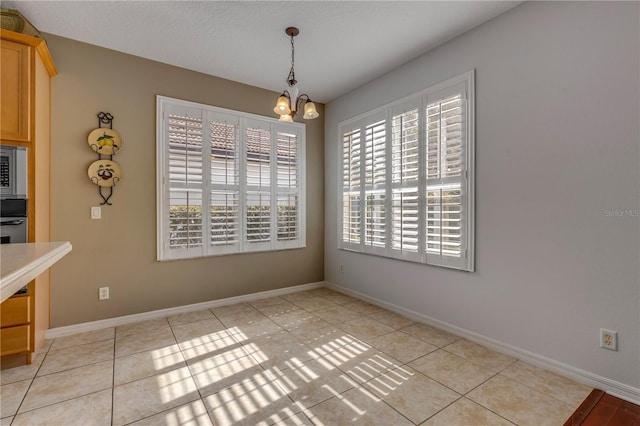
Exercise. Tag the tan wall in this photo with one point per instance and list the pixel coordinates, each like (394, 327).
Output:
(119, 251)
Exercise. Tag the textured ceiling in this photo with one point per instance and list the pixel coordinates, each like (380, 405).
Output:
(341, 45)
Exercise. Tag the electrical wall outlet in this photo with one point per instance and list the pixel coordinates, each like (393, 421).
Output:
(103, 293)
(341, 269)
(609, 339)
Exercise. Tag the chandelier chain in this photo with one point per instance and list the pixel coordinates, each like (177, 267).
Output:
(291, 79)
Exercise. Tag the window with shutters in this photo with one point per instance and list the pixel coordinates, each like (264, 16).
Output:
(227, 181)
(407, 178)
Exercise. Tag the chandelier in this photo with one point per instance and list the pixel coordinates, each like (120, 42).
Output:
(289, 102)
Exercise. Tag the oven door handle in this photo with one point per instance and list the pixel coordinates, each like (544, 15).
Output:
(12, 222)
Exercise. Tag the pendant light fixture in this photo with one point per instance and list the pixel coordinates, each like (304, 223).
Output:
(289, 102)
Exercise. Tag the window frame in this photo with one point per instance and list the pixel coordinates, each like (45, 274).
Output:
(241, 121)
(464, 84)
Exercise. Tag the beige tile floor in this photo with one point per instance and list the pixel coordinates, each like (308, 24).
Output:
(316, 357)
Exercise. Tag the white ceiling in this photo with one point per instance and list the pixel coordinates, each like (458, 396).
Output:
(342, 44)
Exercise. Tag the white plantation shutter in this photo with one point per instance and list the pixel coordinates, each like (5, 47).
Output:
(184, 133)
(407, 189)
(228, 182)
(258, 209)
(375, 154)
(446, 177)
(364, 206)
(225, 183)
(351, 185)
(405, 172)
(287, 188)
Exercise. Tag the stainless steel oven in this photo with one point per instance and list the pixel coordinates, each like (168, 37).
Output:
(13, 220)
(13, 194)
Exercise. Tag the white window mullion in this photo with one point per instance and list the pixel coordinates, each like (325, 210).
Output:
(388, 188)
(302, 184)
(422, 186)
(273, 164)
(206, 184)
(362, 183)
(162, 161)
(242, 158)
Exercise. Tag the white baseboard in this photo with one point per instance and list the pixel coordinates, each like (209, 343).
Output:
(620, 390)
(52, 333)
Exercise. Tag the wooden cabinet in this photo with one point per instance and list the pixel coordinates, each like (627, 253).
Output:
(15, 311)
(15, 91)
(26, 70)
(15, 318)
(14, 340)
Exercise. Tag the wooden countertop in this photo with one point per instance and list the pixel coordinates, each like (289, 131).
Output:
(20, 263)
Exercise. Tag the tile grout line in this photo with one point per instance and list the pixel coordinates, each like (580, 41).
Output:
(443, 408)
(31, 384)
(189, 369)
(481, 405)
(45, 375)
(71, 368)
(534, 389)
(190, 375)
(46, 353)
(59, 402)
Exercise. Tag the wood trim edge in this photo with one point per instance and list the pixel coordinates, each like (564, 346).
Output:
(47, 60)
(39, 43)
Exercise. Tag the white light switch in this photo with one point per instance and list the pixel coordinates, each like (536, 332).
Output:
(96, 212)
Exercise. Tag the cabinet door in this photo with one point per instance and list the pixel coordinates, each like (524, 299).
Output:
(14, 340)
(16, 96)
(14, 311)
